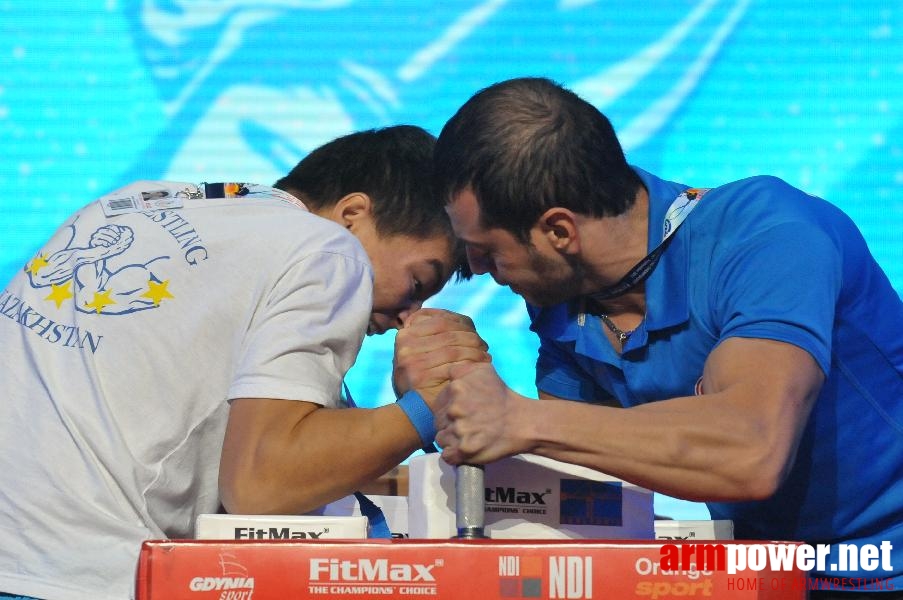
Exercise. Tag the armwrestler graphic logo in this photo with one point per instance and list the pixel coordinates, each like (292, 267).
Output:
(83, 274)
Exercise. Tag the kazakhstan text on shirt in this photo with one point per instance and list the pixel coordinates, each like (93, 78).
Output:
(55, 333)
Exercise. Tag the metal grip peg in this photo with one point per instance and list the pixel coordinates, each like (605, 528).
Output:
(469, 507)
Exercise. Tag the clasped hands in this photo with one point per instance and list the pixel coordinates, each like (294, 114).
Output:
(439, 354)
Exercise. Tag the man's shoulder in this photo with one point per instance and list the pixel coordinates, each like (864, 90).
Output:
(757, 185)
(763, 201)
(301, 231)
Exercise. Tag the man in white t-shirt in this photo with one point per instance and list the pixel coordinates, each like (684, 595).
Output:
(175, 348)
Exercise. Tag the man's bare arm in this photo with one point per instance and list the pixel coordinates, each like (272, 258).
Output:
(290, 457)
(284, 456)
(736, 442)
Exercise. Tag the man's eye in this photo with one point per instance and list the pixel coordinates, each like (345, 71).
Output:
(418, 288)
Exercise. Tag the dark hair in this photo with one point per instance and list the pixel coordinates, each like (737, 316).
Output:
(525, 145)
(393, 166)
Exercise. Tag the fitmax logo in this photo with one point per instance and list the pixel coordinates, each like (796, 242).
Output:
(276, 533)
(511, 495)
(364, 569)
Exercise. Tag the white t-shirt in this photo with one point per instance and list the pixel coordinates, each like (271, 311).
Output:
(124, 338)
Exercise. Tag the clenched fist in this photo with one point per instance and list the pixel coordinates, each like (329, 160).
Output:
(431, 342)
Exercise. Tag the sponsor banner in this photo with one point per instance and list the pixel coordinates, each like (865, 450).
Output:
(531, 497)
(279, 527)
(446, 569)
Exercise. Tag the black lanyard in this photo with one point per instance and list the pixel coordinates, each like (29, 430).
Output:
(674, 218)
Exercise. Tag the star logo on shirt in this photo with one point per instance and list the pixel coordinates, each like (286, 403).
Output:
(60, 293)
(156, 291)
(101, 299)
(37, 264)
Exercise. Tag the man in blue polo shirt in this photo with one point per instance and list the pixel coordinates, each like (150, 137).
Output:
(736, 345)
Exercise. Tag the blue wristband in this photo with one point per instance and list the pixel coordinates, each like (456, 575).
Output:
(420, 415)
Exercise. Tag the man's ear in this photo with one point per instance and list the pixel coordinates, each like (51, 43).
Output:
(559, 227)
(352, 209)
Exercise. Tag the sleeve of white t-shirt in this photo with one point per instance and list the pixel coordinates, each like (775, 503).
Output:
(307, 332)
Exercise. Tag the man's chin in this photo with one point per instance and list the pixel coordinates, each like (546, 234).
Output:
(542, 300)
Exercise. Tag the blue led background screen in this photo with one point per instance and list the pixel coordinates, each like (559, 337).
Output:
(95, 94)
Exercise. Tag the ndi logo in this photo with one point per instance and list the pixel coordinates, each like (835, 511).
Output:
(520, 577)
(569, 577)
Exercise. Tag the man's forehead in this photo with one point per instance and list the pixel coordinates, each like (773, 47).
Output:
(433, 255)
(464, 212)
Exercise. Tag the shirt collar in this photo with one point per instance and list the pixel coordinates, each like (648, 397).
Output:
(666, 288)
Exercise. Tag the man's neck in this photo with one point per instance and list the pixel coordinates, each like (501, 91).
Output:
(612, 246)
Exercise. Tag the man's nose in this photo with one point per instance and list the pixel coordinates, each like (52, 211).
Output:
(405, 313)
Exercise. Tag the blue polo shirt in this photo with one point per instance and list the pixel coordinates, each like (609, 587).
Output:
(758, 258)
